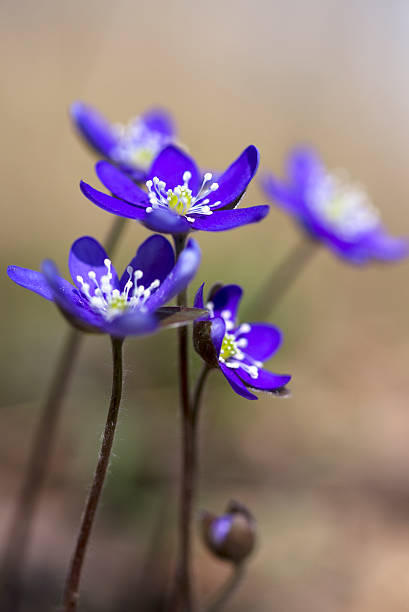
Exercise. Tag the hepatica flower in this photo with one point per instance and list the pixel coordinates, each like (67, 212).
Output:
(238, 350)
(179, 198)
(133, 146)
(333, 210)
(98, 300)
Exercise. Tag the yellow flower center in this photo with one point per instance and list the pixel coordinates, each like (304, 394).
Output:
(179, 199)
(229, 347)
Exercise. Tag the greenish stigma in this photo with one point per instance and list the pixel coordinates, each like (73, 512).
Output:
(118, 303)
(179, 199)
(229, 347)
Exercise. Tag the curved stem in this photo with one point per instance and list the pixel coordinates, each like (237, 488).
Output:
(228, 589)
(23, 517)
(283, 277)
(71, 592)
(198, 392)
(183, 578)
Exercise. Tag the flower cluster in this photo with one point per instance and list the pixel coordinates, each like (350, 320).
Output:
(150, 178)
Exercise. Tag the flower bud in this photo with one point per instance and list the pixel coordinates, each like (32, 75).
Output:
(232, 535)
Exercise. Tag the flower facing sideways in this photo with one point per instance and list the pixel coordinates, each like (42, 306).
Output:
(132, 147)
(238, 350)
(333, 210)
(99, 301)
(178, 198)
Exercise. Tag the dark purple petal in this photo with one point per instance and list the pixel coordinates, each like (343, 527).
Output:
(217, 332)
(120, 184)
(68, 299)
(166, 222)
(263, 340)
(87, 255)
(266, 381)
(131, 324)
(179, 278)
(236, 384)
(96, 130)
(113, 204)
(222, 220)
(155, 257)
(381, 246)
(159, 120)
(30, 279)
(227, 299)
(234, 181)
(199, 301)
(170, 165)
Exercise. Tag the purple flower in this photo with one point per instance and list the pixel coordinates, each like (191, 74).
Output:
(132, 147)
(179, 199)
(238, 350)
(99, 301)
(333, 210)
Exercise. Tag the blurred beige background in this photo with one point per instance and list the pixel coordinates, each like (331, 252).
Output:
(326, 471)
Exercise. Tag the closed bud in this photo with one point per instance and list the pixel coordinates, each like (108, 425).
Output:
(202, 335)
(230, 536)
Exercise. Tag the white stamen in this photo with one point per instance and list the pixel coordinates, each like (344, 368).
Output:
(108, 300)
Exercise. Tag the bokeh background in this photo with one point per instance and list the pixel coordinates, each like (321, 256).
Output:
(326, 471)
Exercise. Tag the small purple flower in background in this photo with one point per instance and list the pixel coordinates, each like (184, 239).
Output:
(100, 301)
(239, 350)
(179, 199)
(133, 146)
(333, 210)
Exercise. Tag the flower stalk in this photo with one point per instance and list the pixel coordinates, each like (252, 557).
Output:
(184, 593)
(16, 547)
(231, 586)
(71, 591)
(283, 277)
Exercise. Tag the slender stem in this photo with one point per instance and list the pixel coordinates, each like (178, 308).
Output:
(283, 277)
(184, 595)
(20, 528)
(228, 589)
(23, 516)
(71, 592)
(114, 234)
(198, 392)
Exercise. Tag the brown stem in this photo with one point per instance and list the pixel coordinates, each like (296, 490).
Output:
(71, 592)
(183, 579)
(23, 517)
(198, 392)
(20, 528)
(228, 589)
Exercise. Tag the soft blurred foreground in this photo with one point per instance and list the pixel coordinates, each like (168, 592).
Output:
(325, 471)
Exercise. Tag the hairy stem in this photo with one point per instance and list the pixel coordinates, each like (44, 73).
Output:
(184, 594)
(71, 592)
(282, 278)
(39, 455)
(228, 589)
